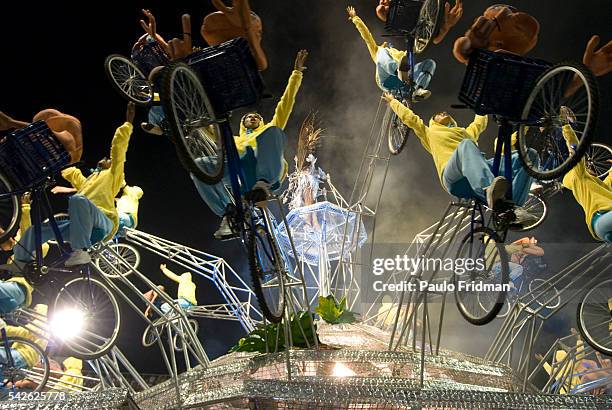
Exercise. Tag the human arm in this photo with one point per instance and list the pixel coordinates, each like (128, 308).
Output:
(285, 105)
(150, 28)
(63, 190)
(169, 274)
(477, 127)
(364, 31)
(571, 140)
(408, 117)
(451, 17)
(74, 176)
(178, 48)
(119, 147)
(608, 181)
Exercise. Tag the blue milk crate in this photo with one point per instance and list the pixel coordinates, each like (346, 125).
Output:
(403, 16)
(228, 74)
(31, 154)
(499, 83)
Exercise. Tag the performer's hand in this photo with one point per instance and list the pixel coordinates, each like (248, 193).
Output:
(600, 61)
(149, 27)
(388, 97)
(130, 112)
(26, 198)
(452, 16)
(182, 48)
(351, 12)
(566, 115)
(62, 190)
(300, 59)
(162, 266)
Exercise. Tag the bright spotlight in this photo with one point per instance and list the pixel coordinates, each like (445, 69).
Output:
(67, 323)
(340, 370)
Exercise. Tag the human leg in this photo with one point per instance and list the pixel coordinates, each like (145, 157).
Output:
(270, 154)
(215, 196)
(521, 180)
(88, 223)
(467, 174)
(602, 225)
(12, 296)
(423, 73)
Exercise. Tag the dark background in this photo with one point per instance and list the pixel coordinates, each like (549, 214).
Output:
(53, 54)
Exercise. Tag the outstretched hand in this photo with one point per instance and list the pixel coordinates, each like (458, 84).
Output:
(182, 48)
(388, 97)
(351, 12)
(599, 61)
(150, 27)
(300, 59)
(162, 266)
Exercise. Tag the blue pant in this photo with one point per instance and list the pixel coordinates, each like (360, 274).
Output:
(602, 225)
(18, 360)
(87, 225)
(265, 164)
(12, 297)
(467, 173)
(156, 115)
(387, 70)
(183, 304)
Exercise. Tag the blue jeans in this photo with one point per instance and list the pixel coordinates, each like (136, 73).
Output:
(467, 173)
(602, 225)
(12, 297)
(87, 225)
(183, 304)
(387, 67)
(125, 221)
(156, 115)
(18, 360)
(266, 164)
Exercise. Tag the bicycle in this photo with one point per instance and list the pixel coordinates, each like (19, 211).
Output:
(198, 95)
(418, 22)
(594, 317)
(527, 94)
(29, 159)
(152, 332)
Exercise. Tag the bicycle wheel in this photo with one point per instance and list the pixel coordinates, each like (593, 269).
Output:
(197, 136)
(10, 209)
(479, 292)
(11, 374)
(595, 317)
(128, 80)
(541, 130)
(547, 296)
(428, 25)
(267, 271)
(150, 335)
(113, 267)
(90, 300)
(599, 159)
(503, 312)
(536, 208)
(58, 218)
(397, 131)
(176, 342)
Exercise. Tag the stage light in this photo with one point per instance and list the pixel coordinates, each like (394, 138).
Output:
(340, 370)
(67, 323)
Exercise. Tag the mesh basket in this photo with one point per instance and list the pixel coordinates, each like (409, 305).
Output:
(499, 83)
(229, 75)
(403, 16)
(31, 154)
(149, 56)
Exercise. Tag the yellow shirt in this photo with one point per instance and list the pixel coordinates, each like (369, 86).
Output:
(186, 287)
(31, 333)
(590, 192)
(128, 202)
(73, 377)
(373, 48)
(101, 187)
(439, 140)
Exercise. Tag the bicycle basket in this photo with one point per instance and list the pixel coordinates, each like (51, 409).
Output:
(403, 16)
(499, 83)
(229, 75)
(149, 56)
(31, 154)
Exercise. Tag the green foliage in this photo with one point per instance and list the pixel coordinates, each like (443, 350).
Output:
(333, 312)
(301, 330)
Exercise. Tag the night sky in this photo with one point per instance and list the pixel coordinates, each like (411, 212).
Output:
(53, 55)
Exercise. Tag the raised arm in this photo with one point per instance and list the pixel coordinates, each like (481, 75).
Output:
(408, 117)
(150, 28)
(74, 176)
(477, 127)
(119, 147)
(451, 17)
(364, 31)
(169, 274)
(285, 105)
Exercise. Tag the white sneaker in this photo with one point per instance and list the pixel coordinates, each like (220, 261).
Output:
(224, 232)
(78, 257)
(421, 94)
(496, 191)
(151, 128)
(535, 186)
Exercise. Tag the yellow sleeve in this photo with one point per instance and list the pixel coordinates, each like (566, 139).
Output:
(477, 127)
(18, 331)
(119, 149)
(26, 221)
(285, 105)
(74, 176)
(367, 36)
(70, 379)
(412, 120)
(548, 368)
(579, 171)
(608, 181)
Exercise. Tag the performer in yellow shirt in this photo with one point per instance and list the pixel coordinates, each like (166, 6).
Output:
(261, 148)
(127, 207)
(461, 167)
(186, 297)
(92, 213)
